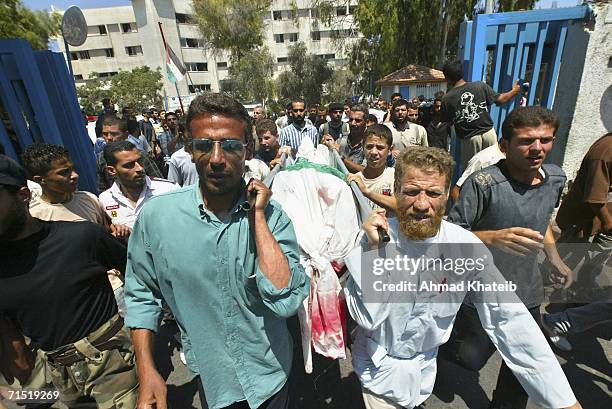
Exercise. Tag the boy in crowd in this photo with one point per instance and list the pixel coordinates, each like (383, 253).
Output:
(376, 180)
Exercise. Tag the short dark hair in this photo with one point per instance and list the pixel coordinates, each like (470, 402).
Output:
(117, 146)
(412, 105)
(379, 130)
(396, 94)
(399, 103)
(111, 120)
(531, 116)
(437, 100)
(132, 126)
(220, 104)
(453, 70)
(38, 158)
(299, 101)
(106, 101)
(348, 103)
(171, 113)
(265, 125)
(372, 118)
(361, 108)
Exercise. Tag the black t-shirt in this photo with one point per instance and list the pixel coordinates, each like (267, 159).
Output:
(438, 132)
(467, 107)
(53, 283)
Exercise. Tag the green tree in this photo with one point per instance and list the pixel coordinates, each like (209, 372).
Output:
(251, 75)
(231, 25)
(18, 21)
(138, 89)
(307, 76)
(340, 86)
(515, 5)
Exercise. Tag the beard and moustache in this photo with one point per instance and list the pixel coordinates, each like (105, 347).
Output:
(420, 229)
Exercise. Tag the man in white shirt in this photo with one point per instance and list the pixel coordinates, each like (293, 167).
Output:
(401, 327)
(405, 133)
(132, 187)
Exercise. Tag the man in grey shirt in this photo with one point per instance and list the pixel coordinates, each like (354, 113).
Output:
(509, 206)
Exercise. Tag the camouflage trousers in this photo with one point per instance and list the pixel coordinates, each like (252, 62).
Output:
(106, 376)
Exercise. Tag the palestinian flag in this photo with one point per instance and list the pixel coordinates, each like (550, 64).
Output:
(175, 69)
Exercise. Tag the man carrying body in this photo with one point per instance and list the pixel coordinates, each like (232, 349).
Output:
(509, 206)
(115, 129)
(132, 187)
(335, 127)
(53, 288)
(239, 267)
(466, 106)
(405, 134)
(270, 150)
(394, 354)
(350, 148)
(293, 134)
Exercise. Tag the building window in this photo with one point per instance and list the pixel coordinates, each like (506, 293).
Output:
(281, 59)
(195, 88)
(84, 55)
(290, 15)
(328, 56)
(128, 27)
(341, 11)
(314, 13)
(78, 77)
(192, 43)
(279, 38)
(133, 51)
(222, 65)
(196, 66)
(315, 35)
(74, 56)
(102, 29)
(184, 18)
(110, 53)
(352, 9)
(106, 74)
(293, 37)
(277, 15)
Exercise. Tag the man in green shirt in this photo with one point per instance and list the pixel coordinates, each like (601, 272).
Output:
(225, 259)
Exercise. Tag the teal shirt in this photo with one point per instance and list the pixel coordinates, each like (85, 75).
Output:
(207, 271)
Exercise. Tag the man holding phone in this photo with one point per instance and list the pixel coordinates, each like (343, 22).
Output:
(230, 273)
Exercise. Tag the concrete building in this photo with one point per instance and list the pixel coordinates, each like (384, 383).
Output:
(113, 43)
(126, 37)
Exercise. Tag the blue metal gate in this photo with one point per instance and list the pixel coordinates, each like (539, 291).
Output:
(500, 48)
(38, 103)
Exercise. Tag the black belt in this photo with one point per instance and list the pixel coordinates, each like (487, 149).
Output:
(68, 354)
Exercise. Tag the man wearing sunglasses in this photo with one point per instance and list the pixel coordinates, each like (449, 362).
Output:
(225, 260)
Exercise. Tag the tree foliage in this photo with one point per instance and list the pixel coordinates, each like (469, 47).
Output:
(251, 75)
(515, 5)
(138, 89)
(18, 21)
(307, 76)
(340, 86)
(231, 25)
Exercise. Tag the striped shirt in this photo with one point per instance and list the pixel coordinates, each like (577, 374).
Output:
(292, 135)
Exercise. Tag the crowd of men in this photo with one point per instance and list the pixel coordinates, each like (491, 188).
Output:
(184, 229)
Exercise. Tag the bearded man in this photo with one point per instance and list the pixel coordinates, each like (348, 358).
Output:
(405, 296)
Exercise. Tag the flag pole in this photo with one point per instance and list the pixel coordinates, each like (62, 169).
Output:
(178, 94)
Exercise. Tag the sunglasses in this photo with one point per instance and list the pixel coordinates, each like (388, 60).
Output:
(229, 146)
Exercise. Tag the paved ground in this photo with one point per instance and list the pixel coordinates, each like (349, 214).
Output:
(335, 386)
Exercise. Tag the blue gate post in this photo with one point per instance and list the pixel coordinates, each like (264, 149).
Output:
(39, 96)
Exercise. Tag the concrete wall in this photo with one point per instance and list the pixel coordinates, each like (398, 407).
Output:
(585, 109)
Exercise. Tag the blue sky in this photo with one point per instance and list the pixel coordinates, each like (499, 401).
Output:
(64, 4)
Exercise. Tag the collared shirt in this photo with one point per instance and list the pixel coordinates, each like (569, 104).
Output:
(164, 139)
(121, 210)
(355, 153)
(413, 134)
(181, 169)
(104, 180)
(292, 135)
(396, 346)
(207, 271)
(140, 143)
